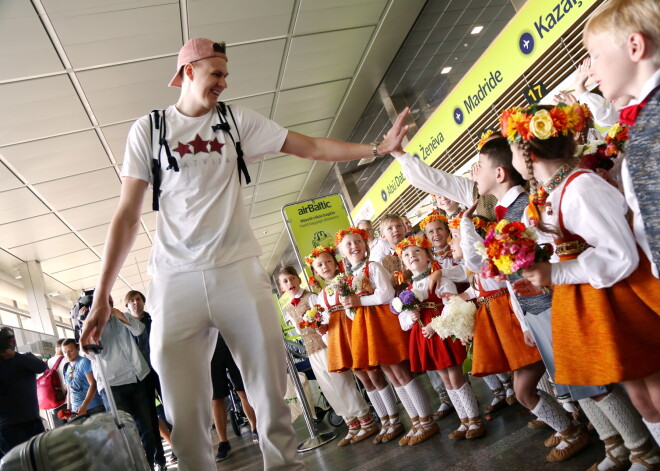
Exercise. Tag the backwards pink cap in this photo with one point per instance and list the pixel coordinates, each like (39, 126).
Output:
(194, 50)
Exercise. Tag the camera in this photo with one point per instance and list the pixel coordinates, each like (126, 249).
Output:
(85, 300)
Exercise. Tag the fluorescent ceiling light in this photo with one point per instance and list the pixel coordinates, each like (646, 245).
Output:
(446, 70)
(476, 30)
(53, 294)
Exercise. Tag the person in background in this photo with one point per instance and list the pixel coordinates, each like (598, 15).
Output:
(135, 301)
(19, 408)
(222, 362)
(82, 396)
(57, 422)
(407, 225)
(376, 244)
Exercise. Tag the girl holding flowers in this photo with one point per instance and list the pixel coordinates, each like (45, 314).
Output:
(338, 388)
(427, 350)
(377, 340)
(340, 325)
(605, 302)
(436, 228)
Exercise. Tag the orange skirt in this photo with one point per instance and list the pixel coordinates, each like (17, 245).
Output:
(603, 336)
(499, 345)
(339, 343)
(377, 338)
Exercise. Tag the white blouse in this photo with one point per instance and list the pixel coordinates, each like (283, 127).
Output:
(445, 286)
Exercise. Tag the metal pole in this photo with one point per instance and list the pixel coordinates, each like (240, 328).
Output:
(315, 439)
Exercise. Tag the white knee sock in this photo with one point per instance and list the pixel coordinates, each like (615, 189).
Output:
(503, 377)
(654, 428)
(545, 385)
(419, 398)
(549, 411)
(623, 416)
(458, 405)
(377, 402)
(389, 399)
(469, 400)
(407, 402)
(598, 419)
(493, 382)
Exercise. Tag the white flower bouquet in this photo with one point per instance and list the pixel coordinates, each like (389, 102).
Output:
(457, 320)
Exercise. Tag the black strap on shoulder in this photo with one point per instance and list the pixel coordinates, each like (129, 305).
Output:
(224, 126)
(158, 121)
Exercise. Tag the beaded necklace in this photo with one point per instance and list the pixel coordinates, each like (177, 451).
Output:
(422, 275)
(443, 253)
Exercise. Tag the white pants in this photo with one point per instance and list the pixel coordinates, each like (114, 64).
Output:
(339, 389)
(188, 310)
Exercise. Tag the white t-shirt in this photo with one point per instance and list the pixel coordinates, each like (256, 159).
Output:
(202, 222)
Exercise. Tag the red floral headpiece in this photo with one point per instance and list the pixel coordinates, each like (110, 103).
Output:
(485, 136)
(318, 251)
(480, 223)
(525, 124)
(416, 241)
(434, 216)
(351, 230)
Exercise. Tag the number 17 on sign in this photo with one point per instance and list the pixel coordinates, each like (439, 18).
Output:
(535, 93)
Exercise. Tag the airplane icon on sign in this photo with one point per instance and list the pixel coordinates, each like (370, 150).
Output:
(526, 44)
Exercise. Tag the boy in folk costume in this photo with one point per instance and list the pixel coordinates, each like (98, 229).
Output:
(339, 388)
(597, 310)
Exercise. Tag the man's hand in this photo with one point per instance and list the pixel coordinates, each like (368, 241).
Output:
(392, 140)
(350, 301)
(96, 321)
(529, 339)
(540, 274)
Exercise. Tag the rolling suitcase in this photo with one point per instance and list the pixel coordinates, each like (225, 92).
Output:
(101, 442)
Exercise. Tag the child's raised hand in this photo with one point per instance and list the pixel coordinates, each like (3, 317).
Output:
(539, 274)
(470, 211)
(525, 288)
(349, 302)
(434, 279)
(428, 331)
(414, 315)
(323, 329)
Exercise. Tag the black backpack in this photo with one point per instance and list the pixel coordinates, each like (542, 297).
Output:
(157, 121)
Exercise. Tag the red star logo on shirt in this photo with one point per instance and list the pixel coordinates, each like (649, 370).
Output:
(182, 149)
(216, 146)
(199, 145)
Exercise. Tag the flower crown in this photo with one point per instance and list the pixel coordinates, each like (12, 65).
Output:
(351, 230)
(434, 216)
(480, 223)
(413, 241)
(485, 136)
(599, 154)
(525, 124)
(318, 251)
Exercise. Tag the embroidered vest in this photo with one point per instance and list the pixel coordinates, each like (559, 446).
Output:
(311, 337)
(529, 304)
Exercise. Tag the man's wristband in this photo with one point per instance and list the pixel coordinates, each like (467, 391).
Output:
(374, 148)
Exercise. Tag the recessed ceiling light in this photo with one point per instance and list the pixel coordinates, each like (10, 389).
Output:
(265, 232)
(446, 70)
(476, 30)
(53, 294)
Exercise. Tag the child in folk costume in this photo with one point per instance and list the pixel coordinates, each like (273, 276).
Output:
(340, 359)
(499, 344)
(624, 40)
(339, 388)
(430, 352)
(605, 302)
(377, 339)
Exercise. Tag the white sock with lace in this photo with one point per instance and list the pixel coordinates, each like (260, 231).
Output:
(495, 387)
(469, 400)
(419, 398)
(654, 428)
(605, 430)
(407, 402)
(377, 402)
(458, 405)
(619, 410)
(549, 411)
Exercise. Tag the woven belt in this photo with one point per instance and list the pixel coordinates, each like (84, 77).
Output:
(428, 305)
(497, 294)
(336, 308)
(573, 247)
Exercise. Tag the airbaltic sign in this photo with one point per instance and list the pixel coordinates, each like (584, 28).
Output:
(534, 29)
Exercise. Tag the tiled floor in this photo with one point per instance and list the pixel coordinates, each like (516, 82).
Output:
(508, 446)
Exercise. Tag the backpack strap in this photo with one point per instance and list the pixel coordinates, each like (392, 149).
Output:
(57, 363)
(221, 109)
(158, 122)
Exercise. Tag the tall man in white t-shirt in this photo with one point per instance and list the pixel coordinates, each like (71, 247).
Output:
(205, 259)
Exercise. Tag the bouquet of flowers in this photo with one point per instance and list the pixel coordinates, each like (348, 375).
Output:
(508, 248)
(408, 300)
(456, 321)
(342, 284)
(312, 318)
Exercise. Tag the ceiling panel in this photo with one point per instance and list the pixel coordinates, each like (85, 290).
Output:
(151, 220)
(322, 15)
(90, 215)
(23, 36)
(325, 57)
(116, 135)
(262, 104)
(303, 105)
(8, 180)
(273, 205)
(128, 91)
(38, 108)
(81, 189)
(48, 248)
(73, 259)
(141, 255)
(283, 186)
(315, 128)
(115, 31)
(31, 230)
(253, 68)
(275, 169)
(57, 157)
(78, 273)
(20, 204)
(267, 223)
(236, 21)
